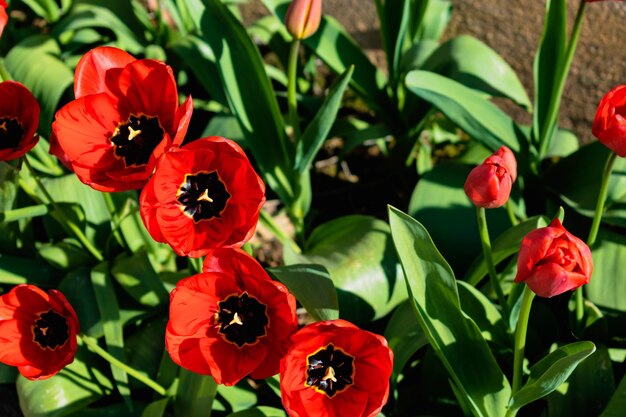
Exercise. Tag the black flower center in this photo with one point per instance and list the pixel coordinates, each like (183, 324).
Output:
(242, 319)
(329, 370)
(202, 196)
(136, 139)
(51, 330)
(11, 133)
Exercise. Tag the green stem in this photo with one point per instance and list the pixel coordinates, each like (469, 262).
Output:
(511, 213)
(292, 75)
(493, 275)
(78, 233)
(593, 232)
(553, 110)
(520, 339)
(94, 347)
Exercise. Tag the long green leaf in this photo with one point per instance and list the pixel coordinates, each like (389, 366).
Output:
(25, 62)
(617, 405)
(550, 372)
(250, 95)
(313, 287)
(195, 395)
(548, 62)
(455, 338)
(316, 132)
(464, 59)
(113, 334)
(471, 111)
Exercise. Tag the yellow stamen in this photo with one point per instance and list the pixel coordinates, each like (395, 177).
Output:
(132, 133)
(44, 330)
(205, 197)
(330, 374)
(3, 126)
(236, 320)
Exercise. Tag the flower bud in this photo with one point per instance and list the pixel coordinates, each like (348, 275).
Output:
(4, 17)
(303, 18)
(552, 260)
(489, 184)
(609, 125)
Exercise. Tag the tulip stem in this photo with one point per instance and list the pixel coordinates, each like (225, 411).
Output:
(140, 376)
(78, 233)
(520, 338)
(511, 212)
(593, 232)
(493, 275)
(553, 110)
(292, 75)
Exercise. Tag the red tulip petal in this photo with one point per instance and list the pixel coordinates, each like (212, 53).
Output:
(96, 66)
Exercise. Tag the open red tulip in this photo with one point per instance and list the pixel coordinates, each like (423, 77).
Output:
(231, 320)
(37, 331)
(19, 117)
(125, 116)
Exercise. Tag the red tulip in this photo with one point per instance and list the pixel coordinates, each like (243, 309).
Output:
(125, 116)
(489, 184)
(201, 196)
(303, 18)
(4, 17)
(335, 369)
(552, 260)
(609, 125)
(37, 331)
(19, 117)
(231, 320)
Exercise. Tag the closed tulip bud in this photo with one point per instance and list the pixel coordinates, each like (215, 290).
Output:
(303, 18)
(489, 184)
(609, 125)
(552, 261)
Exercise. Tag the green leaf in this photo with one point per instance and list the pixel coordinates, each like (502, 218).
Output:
(250, 96)
(394, 25)
(136, 275)
(316, 132)
(607, 287)
(144, 348)
(156, 408)
(25, 61)
(548, 63)
(238, 397)
(339, 51)
(455, 338)
(198, 57)
(550, 372)
(565, 143)
(484, 313)
(113, 334)
(313, 287)
(470, 110)
(588, 389)
(77, 385)
(617, 405)
(405, 337)
(505, 245)
(464, 59)
(439, 195)
(358, 253)
(432, 24)
(259, 412)
(64, 255)
(195, 395)
(17, 270)
(8, 374)
(77, 288)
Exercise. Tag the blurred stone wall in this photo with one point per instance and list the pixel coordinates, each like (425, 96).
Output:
(513, 28)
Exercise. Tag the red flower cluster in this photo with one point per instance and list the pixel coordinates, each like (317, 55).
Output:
(552, 260)
(19, 117)
(202, 196)
(231, 320)
(335, 369)
(37, 331)
(609, 125)
(125, 116)
(489, 184)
